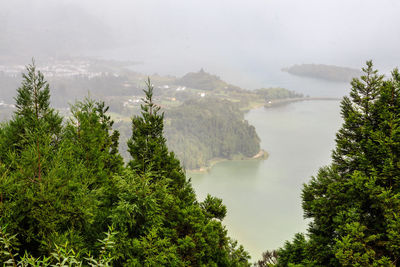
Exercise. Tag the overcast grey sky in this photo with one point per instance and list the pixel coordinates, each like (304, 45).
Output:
(231, 38)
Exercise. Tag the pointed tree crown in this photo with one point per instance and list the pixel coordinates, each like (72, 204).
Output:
(148, 147)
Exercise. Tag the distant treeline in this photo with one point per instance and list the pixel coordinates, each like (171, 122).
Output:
(274, 93)
(325, 72)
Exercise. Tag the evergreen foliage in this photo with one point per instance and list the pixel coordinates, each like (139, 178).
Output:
(355, 202)
(147, 145)
(183, 231)
(62, 186)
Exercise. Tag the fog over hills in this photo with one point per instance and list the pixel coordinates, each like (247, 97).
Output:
(47, 28)
(95, 94)
(244, 42)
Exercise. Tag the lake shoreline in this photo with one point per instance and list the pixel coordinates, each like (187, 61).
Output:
(281, 102)
(261, 155)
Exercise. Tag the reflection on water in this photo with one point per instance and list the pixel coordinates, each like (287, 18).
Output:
(263, 197)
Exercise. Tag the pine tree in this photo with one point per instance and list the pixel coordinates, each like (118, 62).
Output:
(29, 144)
(360, 118)
(147, 146)
(354, 203)
(34, 122)
(174, 229)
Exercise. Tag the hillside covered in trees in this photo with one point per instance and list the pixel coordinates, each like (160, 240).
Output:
(204, 129)
(67, 198)
(354, 203)
(202, 80)
(195, 96)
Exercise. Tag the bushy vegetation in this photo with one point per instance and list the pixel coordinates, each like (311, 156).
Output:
(354, 203)
(66, 197)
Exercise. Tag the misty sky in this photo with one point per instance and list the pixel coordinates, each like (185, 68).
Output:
(238, 40)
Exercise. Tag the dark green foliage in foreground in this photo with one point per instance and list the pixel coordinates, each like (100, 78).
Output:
(208, 128)
(62, 186)
(176, 230)
(355, 202)
(147, 145)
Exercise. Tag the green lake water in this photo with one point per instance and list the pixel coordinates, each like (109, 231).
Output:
(264, 197)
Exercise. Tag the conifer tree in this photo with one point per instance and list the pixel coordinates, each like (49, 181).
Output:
(34, 123)
(360, 118)
(29, 144)
(175, 229)
(147, 146)
(354, 203)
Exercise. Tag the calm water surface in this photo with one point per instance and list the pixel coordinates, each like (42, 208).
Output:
(264, 197)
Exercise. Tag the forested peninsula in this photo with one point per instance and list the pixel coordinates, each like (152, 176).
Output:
(195, 104)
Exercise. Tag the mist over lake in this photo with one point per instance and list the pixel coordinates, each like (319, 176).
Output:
(263, 197)
(200, 133)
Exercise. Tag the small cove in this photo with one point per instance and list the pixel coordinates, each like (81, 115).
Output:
(263, 197)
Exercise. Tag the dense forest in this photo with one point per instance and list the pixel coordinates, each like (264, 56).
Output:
(325, 72)
(354, 203)
(203, 129)
(68, 199)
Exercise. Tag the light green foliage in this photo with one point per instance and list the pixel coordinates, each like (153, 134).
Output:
(62, 255)
(355, 202)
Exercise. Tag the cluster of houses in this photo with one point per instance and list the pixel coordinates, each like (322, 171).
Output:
(132, 101)
(181, 88)
(57, 68)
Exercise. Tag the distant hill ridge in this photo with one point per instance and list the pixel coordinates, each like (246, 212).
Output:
(202, 80)
(325, 72)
